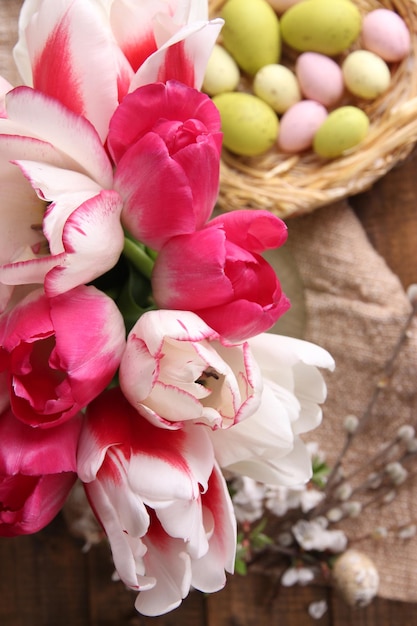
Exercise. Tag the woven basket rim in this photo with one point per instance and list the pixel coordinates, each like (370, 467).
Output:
(295, 184)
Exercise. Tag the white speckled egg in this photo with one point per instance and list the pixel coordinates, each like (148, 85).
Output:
(356, 577)
(299, 125)
(385, 33)
(320, 78)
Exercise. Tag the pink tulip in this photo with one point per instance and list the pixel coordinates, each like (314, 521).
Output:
(59, 353)
(60, 218)
(165, 140)
(176, 369)
(90, 54)
(37, 471)
(218, 272)
(174, 569)
(161, 500)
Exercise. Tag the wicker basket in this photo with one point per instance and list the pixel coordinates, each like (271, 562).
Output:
(294, 184)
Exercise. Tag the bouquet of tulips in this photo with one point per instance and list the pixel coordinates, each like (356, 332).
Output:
(134, 355)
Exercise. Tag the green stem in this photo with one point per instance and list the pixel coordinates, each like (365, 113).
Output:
(138, 257)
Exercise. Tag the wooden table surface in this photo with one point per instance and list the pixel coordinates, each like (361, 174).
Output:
(46, 580)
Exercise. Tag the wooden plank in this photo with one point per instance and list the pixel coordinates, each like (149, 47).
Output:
(112, 603)
(257, 600)
(378, 613)
(39, 576)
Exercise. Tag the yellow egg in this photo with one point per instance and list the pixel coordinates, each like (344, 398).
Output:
(365, 74)
(222, 73)
(249, 125)
(325, 26)
(278, 86)
(251, 33)
(343, 129)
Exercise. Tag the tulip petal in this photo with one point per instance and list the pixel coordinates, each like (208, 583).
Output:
(209, 571)
(93, 238)
(179, 472)
(60, 36)
(183, 57)
(167, 562)
(84, 246)
(269, 429)
(59, 353)
(44, 499)
(204, 252)
(72, 134)
(292, 469)
(248, 318)
(141, 111)
(277, 354)
(183, 520)
(37, 471)
(156, 193)
(87, 322)
(34, 451)
(133, 27)
(128, 562)
(254, 231)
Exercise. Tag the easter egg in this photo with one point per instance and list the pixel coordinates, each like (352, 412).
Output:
(222, 73)
(365, 74)
(356, 577)
(385, 33)
(249, 125)
(343, 129)
(251, 33)
(320, 78)
(299, 125)
(276, 85)
(325, 26)
(282, 5)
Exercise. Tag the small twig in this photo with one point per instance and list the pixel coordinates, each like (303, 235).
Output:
(379, 387)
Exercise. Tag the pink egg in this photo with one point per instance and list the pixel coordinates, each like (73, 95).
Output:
(282, 5)
(385, 33)
(299, 124)
(320, 78)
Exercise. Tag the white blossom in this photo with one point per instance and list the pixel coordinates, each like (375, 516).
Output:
(312, 536)
(297, 575)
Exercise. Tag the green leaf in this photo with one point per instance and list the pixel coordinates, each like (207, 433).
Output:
(241, 567)
(320, 472)
(135, 297)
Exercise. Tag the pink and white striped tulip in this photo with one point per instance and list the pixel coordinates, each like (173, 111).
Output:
(165, 140)
(267, 446)
(37, 471)
(90, 54)
(161, 500)
(60, 217)
(176, 369)
(218, 272)
(59, 353)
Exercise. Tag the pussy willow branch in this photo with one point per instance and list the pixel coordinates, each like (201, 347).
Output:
(379, 387)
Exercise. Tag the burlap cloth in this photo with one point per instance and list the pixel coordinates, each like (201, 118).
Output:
(355, 307)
